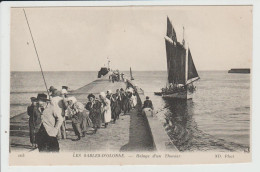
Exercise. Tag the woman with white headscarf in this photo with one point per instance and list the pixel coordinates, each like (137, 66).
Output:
(80, 119)
(106, 109)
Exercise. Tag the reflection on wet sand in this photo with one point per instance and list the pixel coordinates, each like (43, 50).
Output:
(183, 131)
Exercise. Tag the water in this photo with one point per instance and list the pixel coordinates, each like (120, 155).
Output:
(217, 118)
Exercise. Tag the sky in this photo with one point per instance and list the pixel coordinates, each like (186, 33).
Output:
(81, 38)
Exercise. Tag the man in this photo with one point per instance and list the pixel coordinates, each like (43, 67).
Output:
(115, 107)
(64, 91)
(109, 94)
(58, 102)
(51, 122)
(124, 100)
(119, 100)
(32, 120)
(148, 106)
(122, 76)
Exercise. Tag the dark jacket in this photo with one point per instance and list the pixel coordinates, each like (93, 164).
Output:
(148, 104)
(35, 117)
(94, 112)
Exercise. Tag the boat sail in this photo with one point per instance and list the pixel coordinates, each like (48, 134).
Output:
(180, 67)
(131, 75)
(192, 71)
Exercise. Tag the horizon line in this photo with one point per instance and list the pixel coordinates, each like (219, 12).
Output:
(119, 70)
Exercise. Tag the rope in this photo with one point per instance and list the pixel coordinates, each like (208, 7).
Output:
(36, 53)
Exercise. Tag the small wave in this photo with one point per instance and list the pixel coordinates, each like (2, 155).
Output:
(188, 137)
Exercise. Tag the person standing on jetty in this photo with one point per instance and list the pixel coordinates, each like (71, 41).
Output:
(115, 107)
(133, 100)
(51, 121)
(94, 108)
(80, 117)
(33, 120)
(105, 109)
(64, 92)
(58, 103)
(125, 101)
(109, 95)
(51, 90)
(76, 117)
(148, 106)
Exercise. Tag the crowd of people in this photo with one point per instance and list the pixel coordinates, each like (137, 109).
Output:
(173, 88)
(47, 116)
(116, 76)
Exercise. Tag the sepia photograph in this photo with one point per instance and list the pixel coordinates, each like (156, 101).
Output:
(130, 84)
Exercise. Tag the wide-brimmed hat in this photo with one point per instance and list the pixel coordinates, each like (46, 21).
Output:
(52, 88)
(42, 97)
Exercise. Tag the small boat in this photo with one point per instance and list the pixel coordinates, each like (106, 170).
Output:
(158, 93)
(104, 70)
(240, 70)
(180, 67)
(131, 75)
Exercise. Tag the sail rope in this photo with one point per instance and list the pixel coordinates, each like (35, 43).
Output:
(36, 53)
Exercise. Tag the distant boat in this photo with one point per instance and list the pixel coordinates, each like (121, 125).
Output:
(104, 70)
(158, 93)
(180, 67)
(241, 70)
(131, 75)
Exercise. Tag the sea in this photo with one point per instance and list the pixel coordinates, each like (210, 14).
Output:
(216, 119)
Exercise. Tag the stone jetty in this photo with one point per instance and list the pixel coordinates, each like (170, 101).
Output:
(132, 132)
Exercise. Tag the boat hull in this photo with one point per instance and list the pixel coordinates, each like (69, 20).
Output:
(185, 95)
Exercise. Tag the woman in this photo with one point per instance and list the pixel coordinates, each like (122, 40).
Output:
(133, 100)
(106, 109)
(94, 108)
(79, 116)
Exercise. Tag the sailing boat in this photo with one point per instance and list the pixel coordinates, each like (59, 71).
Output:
(131, 75)
(180, 67)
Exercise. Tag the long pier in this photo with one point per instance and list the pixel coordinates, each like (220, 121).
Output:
(132, 132)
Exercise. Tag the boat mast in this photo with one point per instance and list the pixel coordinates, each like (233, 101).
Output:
(183, 41)
(108, 61)
(186, 64)
(131, 75)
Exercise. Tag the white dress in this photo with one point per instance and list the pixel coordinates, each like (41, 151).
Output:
(107, 111)
(134, 99)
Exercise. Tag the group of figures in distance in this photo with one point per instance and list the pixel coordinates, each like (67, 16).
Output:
(180, 67)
